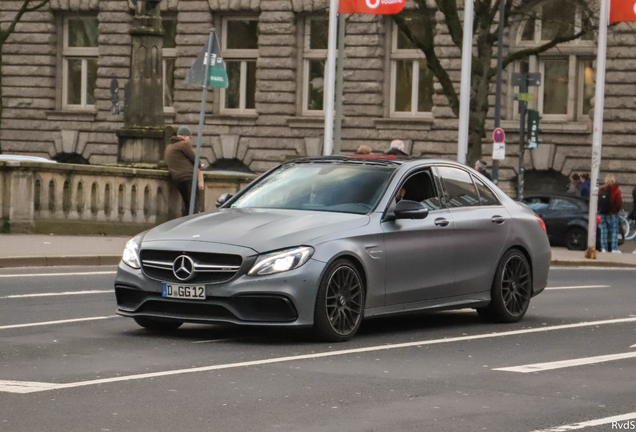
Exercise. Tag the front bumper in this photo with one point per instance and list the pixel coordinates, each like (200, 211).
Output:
(285, 299)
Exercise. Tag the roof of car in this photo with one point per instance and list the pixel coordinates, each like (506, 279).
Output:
(22, 158)
(383, 160)
(548, 195)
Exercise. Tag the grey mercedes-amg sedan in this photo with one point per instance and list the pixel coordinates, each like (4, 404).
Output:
(325, 242)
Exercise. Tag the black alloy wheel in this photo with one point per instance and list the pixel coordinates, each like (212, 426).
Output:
(576, 239)
(511, 290)
(158, 325)
(340, 302)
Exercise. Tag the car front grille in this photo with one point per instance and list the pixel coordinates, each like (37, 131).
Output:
(208, 267)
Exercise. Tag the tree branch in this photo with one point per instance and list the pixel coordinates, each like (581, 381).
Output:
(37, 6)
(24, 8)
(428, 48)
(518, 55)
(449, 9)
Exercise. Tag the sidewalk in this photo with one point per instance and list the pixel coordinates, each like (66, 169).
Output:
(32, 250)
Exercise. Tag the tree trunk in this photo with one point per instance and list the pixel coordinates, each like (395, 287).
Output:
(480, 89)
(1, 98)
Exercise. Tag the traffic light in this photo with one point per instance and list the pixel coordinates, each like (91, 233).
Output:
(533, 128)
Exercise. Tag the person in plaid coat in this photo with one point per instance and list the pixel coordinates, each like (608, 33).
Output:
(610, 201)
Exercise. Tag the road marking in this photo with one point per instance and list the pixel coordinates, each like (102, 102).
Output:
(66, 293)
(58, 274)
(9, 386)
(213, 341)
(540, 367)
(597, 422)
(553, 268)
(45, 323)
(578, 287)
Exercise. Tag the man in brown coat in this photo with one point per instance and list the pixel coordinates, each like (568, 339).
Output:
(179, 157)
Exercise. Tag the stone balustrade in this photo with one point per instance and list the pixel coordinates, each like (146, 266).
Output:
(87, 199)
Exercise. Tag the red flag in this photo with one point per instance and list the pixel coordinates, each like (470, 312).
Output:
(622, 11)
(373, 7)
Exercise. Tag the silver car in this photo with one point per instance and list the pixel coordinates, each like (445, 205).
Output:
(326, 242)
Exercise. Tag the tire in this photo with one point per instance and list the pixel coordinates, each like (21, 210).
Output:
(576, 239)
(511, 290)
(158, 325)
(339, 303)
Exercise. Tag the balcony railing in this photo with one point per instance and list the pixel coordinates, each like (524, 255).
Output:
(65, 198)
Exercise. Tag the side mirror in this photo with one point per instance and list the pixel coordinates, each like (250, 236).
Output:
(223, 199)
(407, 209)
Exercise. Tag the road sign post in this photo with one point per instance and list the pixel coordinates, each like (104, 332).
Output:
(499, 145)
(523, 81)
(207, 71)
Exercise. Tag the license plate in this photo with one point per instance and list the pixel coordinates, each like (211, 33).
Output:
(190, 292)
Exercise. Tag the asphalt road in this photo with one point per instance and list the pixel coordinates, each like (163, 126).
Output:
(68, 364)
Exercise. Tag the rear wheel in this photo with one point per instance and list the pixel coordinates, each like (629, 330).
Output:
(340, 302)
(511, 290)
(576, 239)
(158, 325)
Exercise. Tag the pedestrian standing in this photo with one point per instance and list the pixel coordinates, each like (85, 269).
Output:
(480, 167)
(396, 148)
(574, 187)
(609, 204)
(364, 150)
(585, 185)
(632, 215)
(179, 157)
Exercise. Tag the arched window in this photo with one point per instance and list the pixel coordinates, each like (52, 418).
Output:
(567, 73)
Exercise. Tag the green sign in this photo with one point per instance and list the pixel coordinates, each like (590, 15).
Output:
(217, 77)
(524, 97)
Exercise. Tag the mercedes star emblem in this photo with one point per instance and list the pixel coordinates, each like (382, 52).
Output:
(183, 268)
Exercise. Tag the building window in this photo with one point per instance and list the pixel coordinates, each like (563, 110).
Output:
(79, 67)
(567, 84)
(411, 80)
(314, 63)
(169, 60)
(240, 50)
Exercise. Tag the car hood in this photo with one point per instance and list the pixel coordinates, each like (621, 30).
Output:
(262, 230)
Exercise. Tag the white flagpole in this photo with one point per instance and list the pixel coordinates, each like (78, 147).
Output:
(597, 137)
(330, 77)
(464, 94)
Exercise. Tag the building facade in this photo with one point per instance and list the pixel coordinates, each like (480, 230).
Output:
(59, 65)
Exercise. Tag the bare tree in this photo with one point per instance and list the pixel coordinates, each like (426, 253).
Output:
(5, 32)
(485, 35)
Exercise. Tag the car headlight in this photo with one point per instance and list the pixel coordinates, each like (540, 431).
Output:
(131, 254)
(281, 261)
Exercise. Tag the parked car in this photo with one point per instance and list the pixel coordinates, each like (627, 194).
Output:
(21, 158)
(326, 242)
(565, 219)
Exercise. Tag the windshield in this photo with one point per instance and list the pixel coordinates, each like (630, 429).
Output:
(344, 188)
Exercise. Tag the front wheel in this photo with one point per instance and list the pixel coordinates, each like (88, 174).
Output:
(157, 325)
(511, 290)
(576, 239)
(340, 302)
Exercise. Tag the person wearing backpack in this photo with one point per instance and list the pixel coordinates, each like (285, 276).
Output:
(609, 204)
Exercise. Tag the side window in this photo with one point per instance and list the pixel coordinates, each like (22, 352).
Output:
(420, 187)
(460, 190)
(537, 203)
(559, 204)
(486, 197)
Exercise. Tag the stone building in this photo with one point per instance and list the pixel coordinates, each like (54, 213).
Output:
(60, 62)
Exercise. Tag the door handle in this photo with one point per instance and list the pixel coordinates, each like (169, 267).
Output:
(441, 222)
(498, 219)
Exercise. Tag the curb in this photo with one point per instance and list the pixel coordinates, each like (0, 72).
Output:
(589, 263)
(48, 261)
